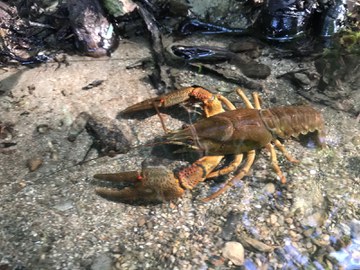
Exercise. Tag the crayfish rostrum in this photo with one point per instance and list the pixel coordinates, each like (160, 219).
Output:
(232, 132)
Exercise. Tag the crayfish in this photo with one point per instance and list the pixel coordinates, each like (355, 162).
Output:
(231, 132)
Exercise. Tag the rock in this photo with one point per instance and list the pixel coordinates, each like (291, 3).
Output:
(64, 206)
(34, 164)
(254, 244)
(302, 78)
(234, 251)
(289, 220)
(244, 45)
(273, 219)
(314, 220)
(355, 229)
(141, 221)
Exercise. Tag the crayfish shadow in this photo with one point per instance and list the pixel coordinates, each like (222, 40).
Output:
(309, 140)
(140, 115)
(173, 152)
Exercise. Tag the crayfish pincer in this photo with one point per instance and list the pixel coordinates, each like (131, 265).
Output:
(236, 131)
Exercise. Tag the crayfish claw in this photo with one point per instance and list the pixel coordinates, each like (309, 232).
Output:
(155, 184)
(144, 105)
(164, 101)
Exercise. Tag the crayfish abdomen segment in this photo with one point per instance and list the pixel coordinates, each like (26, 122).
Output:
(288, 121)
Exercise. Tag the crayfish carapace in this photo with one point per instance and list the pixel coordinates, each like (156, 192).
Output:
(232, 132)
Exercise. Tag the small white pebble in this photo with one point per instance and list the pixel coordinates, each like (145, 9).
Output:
(234, 251)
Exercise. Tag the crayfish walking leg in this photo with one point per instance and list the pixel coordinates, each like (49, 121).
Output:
(250, 155)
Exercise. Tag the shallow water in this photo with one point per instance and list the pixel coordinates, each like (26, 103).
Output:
(52, 219)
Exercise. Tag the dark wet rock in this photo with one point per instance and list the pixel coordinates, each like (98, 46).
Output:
(93, 31)
(244, 45)
(110, 137)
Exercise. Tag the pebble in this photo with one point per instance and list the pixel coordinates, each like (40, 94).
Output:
(302, 78)
(293, 234)
(269, 188)
(273, 219)
(308, 232)
(356, 140)
(42, 129)
(34, 163)
(64, 206)
(355, 229)
(314, 220)
(234, 251)
(289, 220)
(141, 221)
